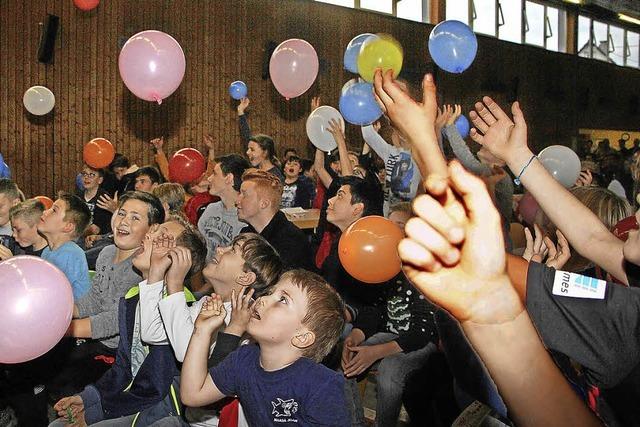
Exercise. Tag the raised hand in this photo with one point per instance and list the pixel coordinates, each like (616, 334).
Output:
(315, 102)
(243, 105)
(160, 260)
(211, 315)
(455, 113)
(157, 143)
(536, 249)
(558, 255)
(107, 203)
(335, 129)
(464, 274)
(241, 304)
(585, 179)
(416, 121)
(180, 266)
(443, 117)
(504, 138)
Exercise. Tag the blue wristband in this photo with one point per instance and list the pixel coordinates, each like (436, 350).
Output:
(517, 180)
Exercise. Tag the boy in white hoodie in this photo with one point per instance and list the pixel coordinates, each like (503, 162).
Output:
(249, 264)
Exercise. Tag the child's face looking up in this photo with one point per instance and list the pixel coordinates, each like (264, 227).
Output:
(292, 169)
(276, 318)
(5, 205)
(130, 223)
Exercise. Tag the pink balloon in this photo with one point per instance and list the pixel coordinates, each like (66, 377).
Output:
(152, 65)
(36, 304)
(293, 67)
(528, 208)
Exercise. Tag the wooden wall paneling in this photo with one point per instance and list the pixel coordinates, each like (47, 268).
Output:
(226, 41)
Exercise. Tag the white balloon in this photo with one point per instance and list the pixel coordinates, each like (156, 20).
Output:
(38, 100)
(561, 162)
(318, 125)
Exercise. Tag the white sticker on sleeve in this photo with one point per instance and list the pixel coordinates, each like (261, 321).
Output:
(578, 286)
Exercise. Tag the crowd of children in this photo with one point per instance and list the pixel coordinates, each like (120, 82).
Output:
(204, 305)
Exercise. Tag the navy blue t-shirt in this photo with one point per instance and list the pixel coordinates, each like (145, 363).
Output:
(302, 394)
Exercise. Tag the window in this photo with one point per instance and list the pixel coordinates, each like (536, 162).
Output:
(385, 6)
(633, 49)
(510, 20)
(410, 9)
(346, 3)
(458, 10)
(484, 16)
(545, 26)
(607, 42)
(534, 24)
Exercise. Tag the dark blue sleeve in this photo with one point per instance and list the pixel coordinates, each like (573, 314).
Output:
(245, 129)
(226, 374)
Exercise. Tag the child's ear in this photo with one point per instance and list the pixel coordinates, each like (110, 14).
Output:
(303, 340)
(264, 203)
(69, 228)
(247, 278)
(15, 202)
(358, 209)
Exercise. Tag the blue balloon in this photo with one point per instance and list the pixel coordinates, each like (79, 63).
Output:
(352, 52)
(453, 46)
(5, 171)
(462, 124)
(357, 104)
(79, 182)
(238, 90)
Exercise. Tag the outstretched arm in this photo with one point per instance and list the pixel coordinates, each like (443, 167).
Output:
(467, 277)
(507, 140)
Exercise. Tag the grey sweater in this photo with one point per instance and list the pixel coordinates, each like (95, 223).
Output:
(100, 304)
(504, 187)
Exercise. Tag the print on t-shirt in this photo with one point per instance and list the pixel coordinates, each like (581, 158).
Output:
(289, 195)
(283, 409)
(401, 176)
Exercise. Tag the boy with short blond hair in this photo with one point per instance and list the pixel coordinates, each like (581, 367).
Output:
(61, 225)
(279, 380)
(24, 221)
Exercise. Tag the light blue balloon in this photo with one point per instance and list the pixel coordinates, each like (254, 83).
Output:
(238, 90)
(358, 106)
(79, 182)
(453, 46)
(462, 124)
(352, 52)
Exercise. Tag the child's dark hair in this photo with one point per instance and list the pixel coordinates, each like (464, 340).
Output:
(149, 171)
(290, 150)
(325, 312)
(99, 171)
(191, 239)
(236, 165)
(261, 258)
(306, 165)
(119, 161)
(76, 212)
(362, 192)
(294, 159)
(9, 189)
(155, 211)
(266, 144)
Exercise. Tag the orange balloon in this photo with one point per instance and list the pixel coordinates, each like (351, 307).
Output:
(368, 249)
(86, 5)
(47, 202)
(98, 153)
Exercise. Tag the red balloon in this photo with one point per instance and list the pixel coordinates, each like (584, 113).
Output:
(186, 166)
(368, 249)
(47, 202)
(98, 153)
(86, 5)
(528, 208)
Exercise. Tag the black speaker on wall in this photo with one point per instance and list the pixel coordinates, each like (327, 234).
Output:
(48, 40)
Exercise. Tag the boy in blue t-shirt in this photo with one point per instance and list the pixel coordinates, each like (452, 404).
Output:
(279, 381)
(60, 225)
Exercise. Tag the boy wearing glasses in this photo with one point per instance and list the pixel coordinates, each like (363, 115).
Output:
(100, 218)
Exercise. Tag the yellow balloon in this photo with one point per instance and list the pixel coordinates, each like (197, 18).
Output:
(380, 51)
